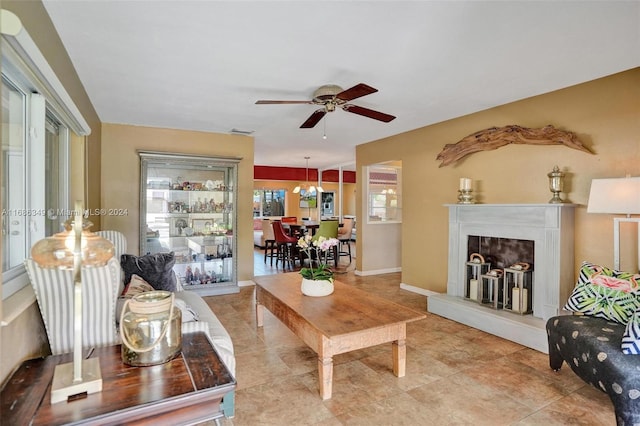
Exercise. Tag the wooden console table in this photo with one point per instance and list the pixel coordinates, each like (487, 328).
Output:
(188, 389)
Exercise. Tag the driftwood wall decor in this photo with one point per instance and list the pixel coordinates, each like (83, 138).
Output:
(495, 137)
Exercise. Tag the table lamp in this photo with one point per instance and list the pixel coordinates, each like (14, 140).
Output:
(71, 249)
(617, 196)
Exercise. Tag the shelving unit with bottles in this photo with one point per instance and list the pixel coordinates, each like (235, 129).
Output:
(187, 206)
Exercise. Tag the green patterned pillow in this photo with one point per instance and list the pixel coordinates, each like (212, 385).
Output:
(605, 293)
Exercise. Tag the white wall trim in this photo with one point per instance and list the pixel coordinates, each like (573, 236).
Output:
(377, 271)
(418, 290)
(16, 304)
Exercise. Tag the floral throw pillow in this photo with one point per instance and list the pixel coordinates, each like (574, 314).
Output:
(605, 293)
(631, 337)
(136, 286)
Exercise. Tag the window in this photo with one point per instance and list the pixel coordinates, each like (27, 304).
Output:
(384, 193)
(268, 202)
(37, 116)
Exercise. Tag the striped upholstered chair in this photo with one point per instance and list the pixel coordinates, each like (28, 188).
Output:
(54, 292)
(118, 240)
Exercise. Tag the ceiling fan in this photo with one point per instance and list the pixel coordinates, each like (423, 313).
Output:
(331, 96)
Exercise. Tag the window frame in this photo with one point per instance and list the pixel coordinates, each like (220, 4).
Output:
(24, 67)
(263, 200)
(388, 189)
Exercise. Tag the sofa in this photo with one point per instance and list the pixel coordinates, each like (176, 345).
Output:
(591, 347)
(258, 237)
(197, 316)
(600, 341)
(258, 233)
(156, 272)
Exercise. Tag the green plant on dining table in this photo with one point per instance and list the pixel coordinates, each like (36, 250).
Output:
(315, 250)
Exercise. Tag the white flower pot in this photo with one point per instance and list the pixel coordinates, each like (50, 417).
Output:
(316, 288)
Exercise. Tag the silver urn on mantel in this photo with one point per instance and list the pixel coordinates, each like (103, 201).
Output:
(556, 185)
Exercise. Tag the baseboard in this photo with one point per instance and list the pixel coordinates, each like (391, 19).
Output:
(377, 271)
(418, 290)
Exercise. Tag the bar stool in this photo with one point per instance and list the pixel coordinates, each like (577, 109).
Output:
(285, 245)
(269, 240)
(344, 235)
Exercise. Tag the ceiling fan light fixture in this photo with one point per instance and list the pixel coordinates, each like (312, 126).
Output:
(326, 92)
(331, 97)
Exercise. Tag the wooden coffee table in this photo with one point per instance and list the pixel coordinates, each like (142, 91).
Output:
(186, 390)
(347, 320)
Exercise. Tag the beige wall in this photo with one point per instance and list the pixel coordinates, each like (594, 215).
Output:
(604, 113)
(24, 337)
(121, 177)
(292, 201)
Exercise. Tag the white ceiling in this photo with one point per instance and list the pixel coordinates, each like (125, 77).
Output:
(201, 65)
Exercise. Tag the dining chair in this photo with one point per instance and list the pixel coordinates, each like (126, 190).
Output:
(285, 245)
(269, 240)
(344, 235)
(292, 225)
(328, 229)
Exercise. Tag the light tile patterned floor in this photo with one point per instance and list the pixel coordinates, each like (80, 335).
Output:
(456, 375)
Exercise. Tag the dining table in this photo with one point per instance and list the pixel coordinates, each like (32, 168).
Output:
(300, 228)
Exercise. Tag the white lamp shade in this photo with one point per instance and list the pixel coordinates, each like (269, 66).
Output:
(615, 196)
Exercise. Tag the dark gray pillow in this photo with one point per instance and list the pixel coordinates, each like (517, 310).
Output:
(156, 269)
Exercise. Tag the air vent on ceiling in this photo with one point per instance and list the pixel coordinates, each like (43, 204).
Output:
(235, 131)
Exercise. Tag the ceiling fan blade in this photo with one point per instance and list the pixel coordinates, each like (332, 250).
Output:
(314, 118)
(376, 115)
(268, 102)
(356, 91)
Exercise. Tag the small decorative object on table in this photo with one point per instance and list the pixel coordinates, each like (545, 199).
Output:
(316, 281)
(556, 185)
(151, 329)
(465, 195)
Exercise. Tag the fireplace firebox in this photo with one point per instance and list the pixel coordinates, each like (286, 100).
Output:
(503, 279)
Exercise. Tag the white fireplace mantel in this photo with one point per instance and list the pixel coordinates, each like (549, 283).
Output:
(550, 226)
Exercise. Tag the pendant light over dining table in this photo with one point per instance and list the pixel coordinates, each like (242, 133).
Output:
(306, 186)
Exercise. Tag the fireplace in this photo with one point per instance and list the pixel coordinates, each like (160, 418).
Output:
(538, 234)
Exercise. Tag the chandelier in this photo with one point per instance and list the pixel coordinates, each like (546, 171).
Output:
(306, 187)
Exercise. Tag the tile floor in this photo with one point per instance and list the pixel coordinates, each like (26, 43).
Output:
(456, 375)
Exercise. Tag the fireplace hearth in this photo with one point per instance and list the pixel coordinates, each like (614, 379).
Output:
(536, 234)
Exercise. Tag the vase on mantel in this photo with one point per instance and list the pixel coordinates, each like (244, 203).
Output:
(316, 288)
